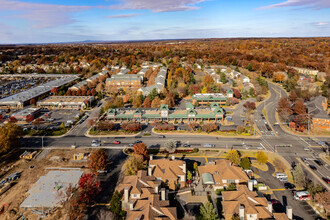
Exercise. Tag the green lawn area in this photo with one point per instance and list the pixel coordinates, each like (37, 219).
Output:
(47, 132)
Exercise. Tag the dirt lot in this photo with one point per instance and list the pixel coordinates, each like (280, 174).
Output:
(31, 171)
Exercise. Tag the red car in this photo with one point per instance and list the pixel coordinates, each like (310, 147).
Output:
(327, 180)
(116, 142)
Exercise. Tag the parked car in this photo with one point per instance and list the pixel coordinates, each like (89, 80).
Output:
(283, 179)
(289, 185)
(138, 141)
(280, 175)
(161, 136)
(186, 145)
(307, 149)
(327, 180)
(318, 162)
(302, 195)
(312, 167)
(275, 202)
(303, 159)
(116, 142)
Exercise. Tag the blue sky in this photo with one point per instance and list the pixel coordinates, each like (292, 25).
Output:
(44, 21)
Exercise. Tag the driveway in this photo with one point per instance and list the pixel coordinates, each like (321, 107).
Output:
(301, 209)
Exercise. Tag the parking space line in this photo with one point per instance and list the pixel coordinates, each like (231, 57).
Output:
(278, 189)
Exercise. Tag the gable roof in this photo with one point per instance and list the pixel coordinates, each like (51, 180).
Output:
(166, 168)
(222, 169)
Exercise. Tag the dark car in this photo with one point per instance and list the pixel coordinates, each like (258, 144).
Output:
(275, 202)
(138, 141)
(318, 162)
(303, 159)
(327, 180)
(289, 185)
(312, 167)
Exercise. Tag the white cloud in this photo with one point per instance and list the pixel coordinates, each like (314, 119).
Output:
(159, 5)
(123, 16)
(320, 24)
(42, 15)
(315, 4)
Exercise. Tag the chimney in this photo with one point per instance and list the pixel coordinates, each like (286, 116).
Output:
(162, 194)
(166, 194)
(184, 167)
(289, 212)
(250, 185)
(269, 206)
(173, 157)
(149, 170)
(241, 212)
(131, 205)
(126, 194)
(151, 157)
(156, 188)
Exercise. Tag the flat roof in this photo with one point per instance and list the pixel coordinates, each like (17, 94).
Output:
(45, 192)
(63, 99)
(36, 91)
(25, 112)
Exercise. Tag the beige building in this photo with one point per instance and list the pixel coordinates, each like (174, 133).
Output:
(66, 102)
(221, 173)
(172, 172)
(145, 199)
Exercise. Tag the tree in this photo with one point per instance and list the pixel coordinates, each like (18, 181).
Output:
(1, 117)
(261, 157)
(153, 94)
(245, 163)
(98, 160)
(189, 175)
(131, 126)
(223, 77)
(156, 102)
(231, 187)
(233, 156)
(141, 149)
(133, 164)
(171, 146)
(9, 137)
(249, 105)
(193, 126)
(89, 187)
(299, 176)
(101, 112)
(207, 211)
(209, 127)
(54, 90)
(195, 166)
(208, 80)
(62, 126)
(237, 94)
(146, 103)
(313, 189)
(299, 107)
(115, 205)
(137, 101)
(12, 120)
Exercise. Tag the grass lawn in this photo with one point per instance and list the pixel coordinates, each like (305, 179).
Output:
(262, 167)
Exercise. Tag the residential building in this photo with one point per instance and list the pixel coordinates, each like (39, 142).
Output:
(172, 172)
(220, 173)
(318, 107)
(66, 102)
(123, 80)
(90, 79)
(246, 205)
(144, 198)
(213, 113)
(160, 82)
(306, 71)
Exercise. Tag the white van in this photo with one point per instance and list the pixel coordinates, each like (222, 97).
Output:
(302, 195)
(281, 175)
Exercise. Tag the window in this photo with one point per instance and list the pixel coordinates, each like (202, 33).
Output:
(230, 181)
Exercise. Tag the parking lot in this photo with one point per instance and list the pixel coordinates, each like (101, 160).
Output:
(9, 87)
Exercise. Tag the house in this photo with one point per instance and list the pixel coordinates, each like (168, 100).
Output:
(230, 93)
(306, 71)
(318, 107)
(144, 199)
(245, 204)
(170, 171)
(160, 82)
(220, 173)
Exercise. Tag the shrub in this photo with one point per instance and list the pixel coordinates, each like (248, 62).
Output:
(195, 150)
